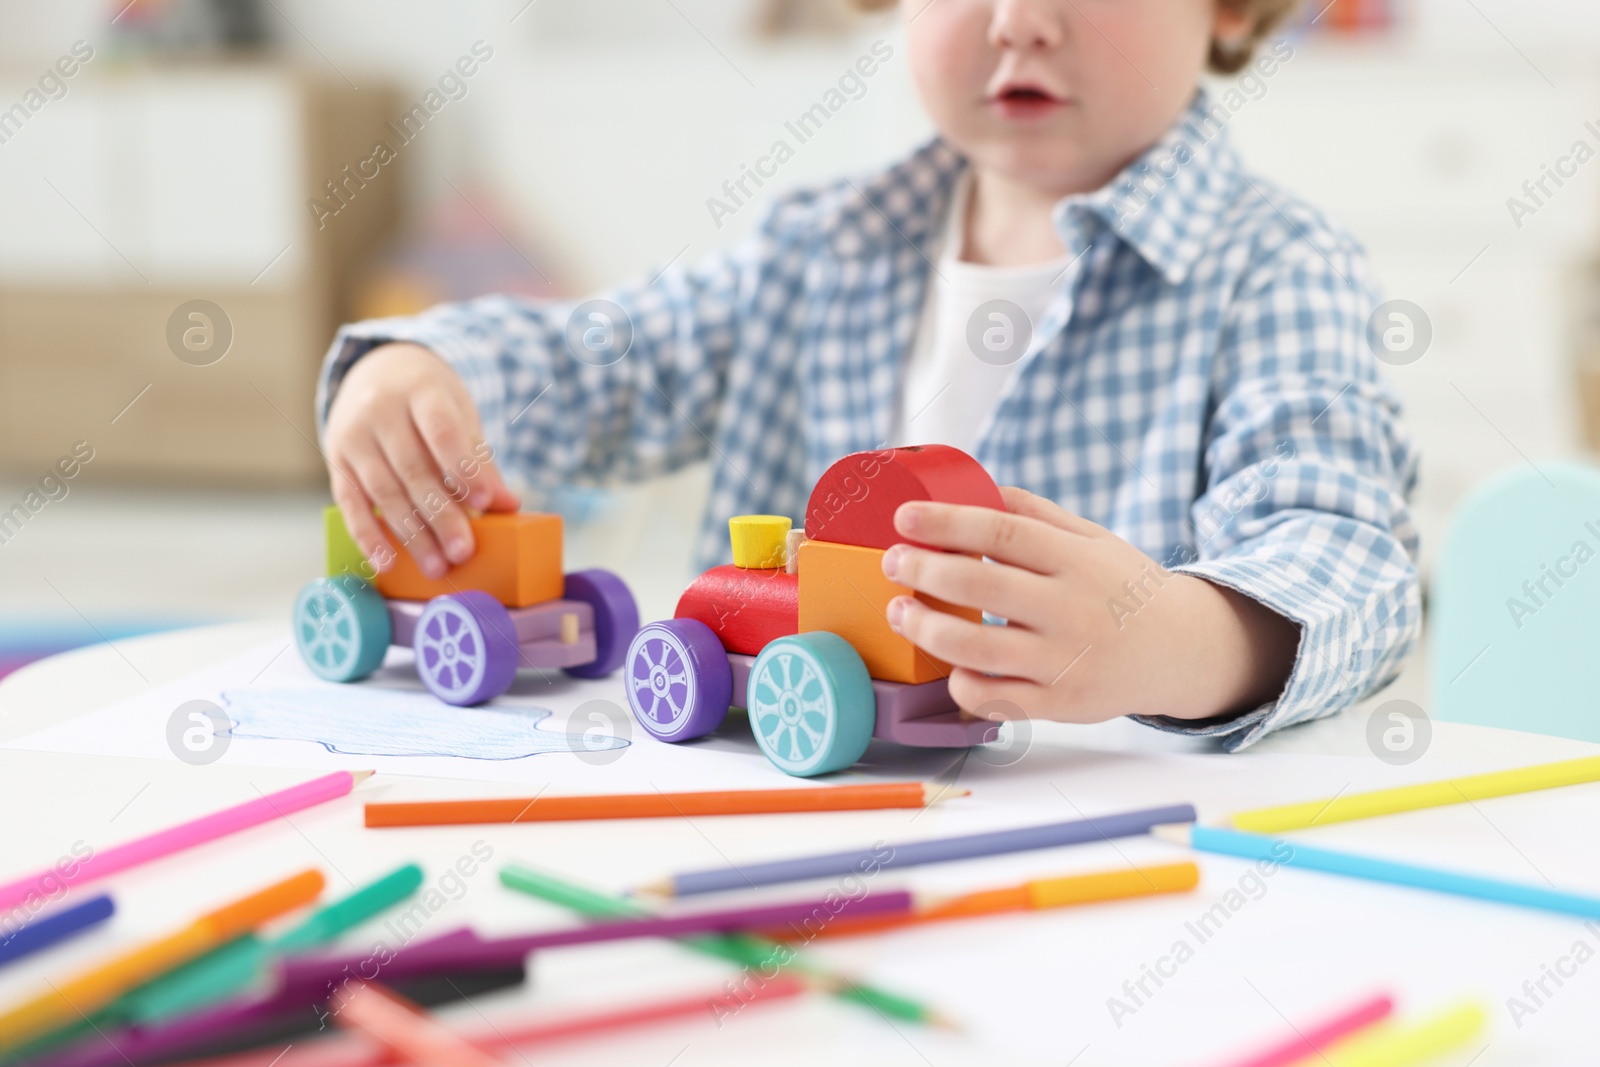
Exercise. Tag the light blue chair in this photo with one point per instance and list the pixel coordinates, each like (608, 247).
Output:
(1515, 611)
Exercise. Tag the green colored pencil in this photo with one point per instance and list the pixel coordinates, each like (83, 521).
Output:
(742, 949)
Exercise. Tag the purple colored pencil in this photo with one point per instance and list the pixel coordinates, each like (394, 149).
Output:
(298, 990)
(457, 953)
(938, 850)
(305, 981)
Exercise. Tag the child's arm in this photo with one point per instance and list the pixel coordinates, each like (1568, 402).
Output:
(401, 401)
(1301, 595)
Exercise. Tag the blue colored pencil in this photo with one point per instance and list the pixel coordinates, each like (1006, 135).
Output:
(43, 933)
(1293, 854)
(938, 850)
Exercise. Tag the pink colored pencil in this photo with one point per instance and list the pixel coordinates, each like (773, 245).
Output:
(49, 883)
(1314, 1040)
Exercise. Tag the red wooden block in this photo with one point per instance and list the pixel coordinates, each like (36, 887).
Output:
(745, 608)
(855, 499)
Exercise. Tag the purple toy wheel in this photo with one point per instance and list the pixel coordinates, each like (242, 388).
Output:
(678, 680)
(616, 619)
(466, 648)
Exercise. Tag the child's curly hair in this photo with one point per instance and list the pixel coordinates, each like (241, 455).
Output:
(1227, 57)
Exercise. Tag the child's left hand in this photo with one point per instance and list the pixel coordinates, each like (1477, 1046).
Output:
(1178, 645)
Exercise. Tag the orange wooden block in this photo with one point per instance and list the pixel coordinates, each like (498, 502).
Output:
(518, 562)
(843, 590)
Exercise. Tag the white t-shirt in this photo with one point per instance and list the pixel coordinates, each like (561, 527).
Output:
(964, 353)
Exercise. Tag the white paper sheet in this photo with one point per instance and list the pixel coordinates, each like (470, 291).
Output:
(550, 730)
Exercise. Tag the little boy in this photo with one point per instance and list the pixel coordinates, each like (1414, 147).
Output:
(1077, 282)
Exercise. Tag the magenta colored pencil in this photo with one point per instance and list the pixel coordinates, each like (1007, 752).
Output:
(49, 883)
(1314, 1040)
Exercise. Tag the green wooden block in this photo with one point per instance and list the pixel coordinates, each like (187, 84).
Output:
(343, 555)
(1516, 605)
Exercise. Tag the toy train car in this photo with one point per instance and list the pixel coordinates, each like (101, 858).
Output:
(795, 632)
(509, 606)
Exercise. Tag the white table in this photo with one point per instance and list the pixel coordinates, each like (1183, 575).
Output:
(1031, 988)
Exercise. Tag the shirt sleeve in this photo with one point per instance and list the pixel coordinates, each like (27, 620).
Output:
(1307, 477)
(622, 386)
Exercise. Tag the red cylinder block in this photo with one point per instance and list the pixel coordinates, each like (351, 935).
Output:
(744, 608)
(855, 499)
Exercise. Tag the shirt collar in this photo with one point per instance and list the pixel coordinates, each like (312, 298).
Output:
(1168, 202)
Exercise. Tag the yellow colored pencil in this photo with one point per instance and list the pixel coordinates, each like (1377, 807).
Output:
(1413, 797)
(1391, 1045)
(81, 996)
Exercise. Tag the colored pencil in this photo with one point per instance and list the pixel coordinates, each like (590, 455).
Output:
(1035, 895)
(1385, 1045)
(1343, 808)
(750, 952)
(1311, 1042)
(937, 850)
(660, 805)
(90, 991)
(184, 836)
(409, 1031)
(354, 1052)
(44, 932)
(458, 953)
(1291, 854)
(236, 965)
(284, 1012)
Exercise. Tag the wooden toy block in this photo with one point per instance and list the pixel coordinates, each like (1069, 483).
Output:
(745, 608)
(843, 590)
(791, 551)
(855, 499)
(343, 555)
(758, 540)
(517, 561)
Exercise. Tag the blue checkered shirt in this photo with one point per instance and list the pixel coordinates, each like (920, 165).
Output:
(1202, 386)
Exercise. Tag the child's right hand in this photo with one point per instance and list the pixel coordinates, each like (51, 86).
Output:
(403, 435)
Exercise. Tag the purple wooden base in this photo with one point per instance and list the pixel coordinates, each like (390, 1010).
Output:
(538, 629)
(917, 716)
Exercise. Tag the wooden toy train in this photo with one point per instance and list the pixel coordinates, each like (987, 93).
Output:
(795, 627)
(507, 606)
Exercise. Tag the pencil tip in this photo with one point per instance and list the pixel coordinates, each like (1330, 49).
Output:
(1179, 833)
(942, 1022)
(663, 888)
(357, 777)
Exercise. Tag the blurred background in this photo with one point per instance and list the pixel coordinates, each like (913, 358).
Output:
(223, 151)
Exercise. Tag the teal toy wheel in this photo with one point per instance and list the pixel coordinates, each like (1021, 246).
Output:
(811, 703)
(341, 626)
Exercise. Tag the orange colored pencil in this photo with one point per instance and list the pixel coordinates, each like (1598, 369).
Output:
(1042, 893)
(86, 993)
(660, 805)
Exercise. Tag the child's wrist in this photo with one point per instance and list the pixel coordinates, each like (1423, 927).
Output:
(1244, 651)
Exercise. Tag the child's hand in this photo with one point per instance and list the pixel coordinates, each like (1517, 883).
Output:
(403, 435)
(1096, 629)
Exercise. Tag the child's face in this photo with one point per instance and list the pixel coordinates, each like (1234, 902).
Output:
(1059, 94)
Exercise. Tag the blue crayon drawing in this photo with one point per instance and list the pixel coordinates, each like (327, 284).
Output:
(372, 722)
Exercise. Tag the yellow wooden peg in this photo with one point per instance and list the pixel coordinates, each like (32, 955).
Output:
(758, 540)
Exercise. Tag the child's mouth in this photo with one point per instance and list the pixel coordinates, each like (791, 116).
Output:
(1024, 102)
